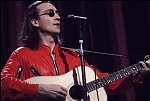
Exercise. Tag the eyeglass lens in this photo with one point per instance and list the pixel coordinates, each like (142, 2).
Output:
(52, 12)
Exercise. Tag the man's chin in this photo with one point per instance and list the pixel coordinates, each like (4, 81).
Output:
(55, 34)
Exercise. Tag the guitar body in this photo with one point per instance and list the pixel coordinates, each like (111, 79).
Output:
(73, 82)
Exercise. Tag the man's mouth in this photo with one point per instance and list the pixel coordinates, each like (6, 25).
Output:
(57, 24)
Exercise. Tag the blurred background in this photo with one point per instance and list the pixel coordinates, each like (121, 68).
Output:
(117, 27)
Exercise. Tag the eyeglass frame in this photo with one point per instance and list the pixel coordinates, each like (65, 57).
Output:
(51, 13)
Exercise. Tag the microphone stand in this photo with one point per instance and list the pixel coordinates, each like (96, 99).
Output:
(81, 52)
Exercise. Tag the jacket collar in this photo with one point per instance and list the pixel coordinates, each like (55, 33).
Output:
(47, 48)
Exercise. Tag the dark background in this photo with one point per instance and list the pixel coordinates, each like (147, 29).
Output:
(118, 27)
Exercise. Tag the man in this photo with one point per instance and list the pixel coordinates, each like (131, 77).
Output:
(40, 54)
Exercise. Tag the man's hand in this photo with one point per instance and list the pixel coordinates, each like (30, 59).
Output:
(52, 92)
(146, 65)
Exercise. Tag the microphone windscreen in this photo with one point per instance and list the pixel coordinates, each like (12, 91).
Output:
(70, 16)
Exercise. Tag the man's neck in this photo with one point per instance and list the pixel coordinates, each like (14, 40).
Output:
(48, 40)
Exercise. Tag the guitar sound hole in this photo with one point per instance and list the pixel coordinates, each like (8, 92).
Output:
(76, 92)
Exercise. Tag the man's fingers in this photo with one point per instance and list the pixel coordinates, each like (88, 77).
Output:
(63, 91)
(143, 64)
(147, 61)
(147, 57)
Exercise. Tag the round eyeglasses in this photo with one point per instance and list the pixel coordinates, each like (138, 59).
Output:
(51, 13)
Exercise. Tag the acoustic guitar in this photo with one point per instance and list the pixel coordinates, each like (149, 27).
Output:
(72, 80)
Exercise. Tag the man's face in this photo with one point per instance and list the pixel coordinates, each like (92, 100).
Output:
(49, 20)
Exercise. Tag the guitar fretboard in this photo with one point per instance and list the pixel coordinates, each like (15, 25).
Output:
(93, 85)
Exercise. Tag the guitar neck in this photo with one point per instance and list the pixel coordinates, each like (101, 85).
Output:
(93, 85)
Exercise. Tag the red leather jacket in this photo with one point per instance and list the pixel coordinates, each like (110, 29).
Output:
(21, 62)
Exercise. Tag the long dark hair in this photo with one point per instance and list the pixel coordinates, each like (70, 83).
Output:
(29, 36)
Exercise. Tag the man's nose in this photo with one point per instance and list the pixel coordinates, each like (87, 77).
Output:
(57, 17)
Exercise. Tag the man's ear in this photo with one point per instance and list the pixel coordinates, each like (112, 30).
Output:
(35, 22)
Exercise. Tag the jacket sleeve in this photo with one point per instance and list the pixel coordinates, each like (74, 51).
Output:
(12, 87)
(119, 85)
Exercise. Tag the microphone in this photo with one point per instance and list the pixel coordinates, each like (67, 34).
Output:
(76, 17)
